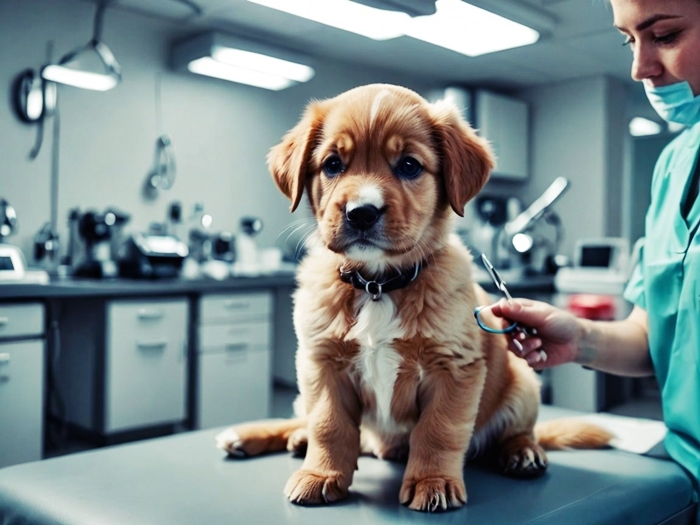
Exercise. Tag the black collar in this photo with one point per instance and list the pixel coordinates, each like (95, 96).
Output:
(375, 288)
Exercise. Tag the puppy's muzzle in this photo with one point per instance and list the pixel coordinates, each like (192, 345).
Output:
(362, 218)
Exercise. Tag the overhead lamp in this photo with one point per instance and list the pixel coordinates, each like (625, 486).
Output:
(452, 24)
(470, 30)
(643, 127)
(243, 61)
(675, 127)
(361, 19)
(92, 66)
(412, 7)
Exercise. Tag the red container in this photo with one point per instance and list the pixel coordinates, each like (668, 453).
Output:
(592, 306)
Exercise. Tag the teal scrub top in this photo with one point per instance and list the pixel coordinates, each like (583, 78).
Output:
(666, 283)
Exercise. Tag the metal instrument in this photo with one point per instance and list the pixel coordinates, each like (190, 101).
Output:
(501, 286)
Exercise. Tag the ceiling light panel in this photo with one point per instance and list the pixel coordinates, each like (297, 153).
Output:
(239, 60)
(456, 25)
(642, 127)
(377, 24)
(470, 30)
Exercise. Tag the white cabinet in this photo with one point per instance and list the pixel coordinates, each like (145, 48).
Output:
(21, 382)
(285, 339)
(233, 378)
(503, 121)
(123, 364)
(145, 368)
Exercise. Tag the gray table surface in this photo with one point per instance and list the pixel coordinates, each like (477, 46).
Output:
(184, 479)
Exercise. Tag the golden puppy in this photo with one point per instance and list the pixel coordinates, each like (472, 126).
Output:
(390, 359)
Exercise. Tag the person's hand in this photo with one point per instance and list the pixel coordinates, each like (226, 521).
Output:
(558, 332)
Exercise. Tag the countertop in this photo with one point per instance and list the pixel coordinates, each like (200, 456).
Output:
(69, 287)
(80, 287)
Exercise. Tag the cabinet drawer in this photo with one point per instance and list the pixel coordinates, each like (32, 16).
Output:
(21, 401)
(233, 388)
(235, 307)
(145, 363)
(234, 337)
(18, 320)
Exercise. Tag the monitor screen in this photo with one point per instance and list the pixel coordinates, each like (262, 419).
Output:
(6, 264)
(596, 256)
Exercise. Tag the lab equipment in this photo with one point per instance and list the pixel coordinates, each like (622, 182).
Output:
(600, 266)
(523, 245)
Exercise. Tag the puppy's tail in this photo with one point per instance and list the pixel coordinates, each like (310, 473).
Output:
(571, 433)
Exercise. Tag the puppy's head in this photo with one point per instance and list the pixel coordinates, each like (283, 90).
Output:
(382, 168)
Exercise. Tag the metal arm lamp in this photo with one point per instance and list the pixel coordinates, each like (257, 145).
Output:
(71, 69)
(515, 233)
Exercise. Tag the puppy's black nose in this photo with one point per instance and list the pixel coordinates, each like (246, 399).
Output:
(362, 217)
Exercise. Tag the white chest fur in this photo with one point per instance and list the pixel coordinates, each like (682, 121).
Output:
(378, 363)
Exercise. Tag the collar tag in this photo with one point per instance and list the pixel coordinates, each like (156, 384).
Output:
(375, 289)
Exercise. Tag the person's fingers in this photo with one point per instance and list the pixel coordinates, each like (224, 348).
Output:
(527, 312)
(537, 358)
(521, 310)
(531, 344)
(521, 345)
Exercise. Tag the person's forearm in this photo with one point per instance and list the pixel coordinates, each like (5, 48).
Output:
(618, 347)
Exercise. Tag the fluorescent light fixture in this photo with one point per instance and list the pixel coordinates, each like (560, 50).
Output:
(370, 22)
(675, 127)
(263, 64)
(456, 25)
(470, 30)
(92, 66)
(80, 79)
(242, 61)
(642, 127)
(210, 67)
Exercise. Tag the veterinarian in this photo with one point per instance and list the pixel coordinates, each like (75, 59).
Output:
(662, 334)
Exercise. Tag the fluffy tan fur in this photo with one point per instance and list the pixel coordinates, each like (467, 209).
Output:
(409, 376)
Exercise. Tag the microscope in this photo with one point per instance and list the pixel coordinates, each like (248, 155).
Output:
(521, 242)
(99, 234)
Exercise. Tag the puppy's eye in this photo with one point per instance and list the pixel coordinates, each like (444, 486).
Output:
(333, 166)
(408, 168)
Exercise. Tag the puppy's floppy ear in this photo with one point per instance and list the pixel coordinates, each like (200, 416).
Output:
(288, 161)
(466, 158)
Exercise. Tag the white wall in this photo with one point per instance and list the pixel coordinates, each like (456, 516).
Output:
(221, 131)
(577, 131)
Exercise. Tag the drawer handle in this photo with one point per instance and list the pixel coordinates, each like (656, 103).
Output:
(150, 315)
(237, 348)
(151, 345)
(4, 321)
(5, 358)
(236, 304)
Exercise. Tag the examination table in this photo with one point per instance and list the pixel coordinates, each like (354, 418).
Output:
(184, 479)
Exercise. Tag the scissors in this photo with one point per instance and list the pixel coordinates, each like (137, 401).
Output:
(501, 286)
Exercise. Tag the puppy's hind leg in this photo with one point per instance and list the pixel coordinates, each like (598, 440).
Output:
(520, 456)
(261, 437)
(519, 453)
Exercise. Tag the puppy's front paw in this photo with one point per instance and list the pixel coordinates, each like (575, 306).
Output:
(313, 487)
(522, 458)
(433, 494)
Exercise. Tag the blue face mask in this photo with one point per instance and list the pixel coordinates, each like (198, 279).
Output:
(675, 103)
